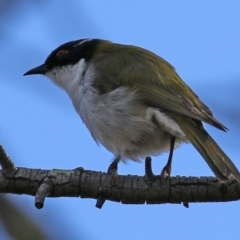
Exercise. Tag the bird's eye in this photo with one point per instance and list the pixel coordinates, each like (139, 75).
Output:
(62, 54)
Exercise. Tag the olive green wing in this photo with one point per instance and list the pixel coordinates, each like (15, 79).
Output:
(154, 79)
(178, 104)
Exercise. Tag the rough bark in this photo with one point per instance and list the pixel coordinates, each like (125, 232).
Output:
(102, 186)
(126, 189)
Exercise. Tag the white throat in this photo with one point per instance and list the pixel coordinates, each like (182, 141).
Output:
(68, 77)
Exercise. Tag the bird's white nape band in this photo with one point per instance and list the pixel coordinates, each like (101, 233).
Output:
(86, 40)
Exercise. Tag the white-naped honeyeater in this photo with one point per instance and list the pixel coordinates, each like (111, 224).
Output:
(134, 103)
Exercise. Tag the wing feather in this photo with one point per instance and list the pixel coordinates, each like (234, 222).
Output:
(154, 80)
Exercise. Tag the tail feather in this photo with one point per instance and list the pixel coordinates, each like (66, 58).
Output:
(217, 160)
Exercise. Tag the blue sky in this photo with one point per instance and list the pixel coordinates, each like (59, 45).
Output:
(40, 129)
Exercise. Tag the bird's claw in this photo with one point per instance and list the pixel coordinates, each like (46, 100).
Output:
(166, 172)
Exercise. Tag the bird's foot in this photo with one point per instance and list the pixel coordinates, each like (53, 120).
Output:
(166, 172)
(113, 168)
(149, 176)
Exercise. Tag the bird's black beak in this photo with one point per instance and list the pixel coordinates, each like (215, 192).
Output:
(42, 69)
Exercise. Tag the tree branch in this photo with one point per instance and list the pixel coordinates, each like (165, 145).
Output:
(102, 186)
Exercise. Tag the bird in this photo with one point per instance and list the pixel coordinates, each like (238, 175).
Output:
(134, 103)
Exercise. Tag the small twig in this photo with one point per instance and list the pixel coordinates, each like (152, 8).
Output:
(8, 167)
(100, 201)
(43, 191)
(186, 204)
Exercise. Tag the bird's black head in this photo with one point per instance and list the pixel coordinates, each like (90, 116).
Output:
(67, 54)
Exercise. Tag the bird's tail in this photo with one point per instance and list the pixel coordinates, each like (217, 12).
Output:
(217, 160)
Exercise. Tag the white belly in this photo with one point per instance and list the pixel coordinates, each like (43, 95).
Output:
(124, 126)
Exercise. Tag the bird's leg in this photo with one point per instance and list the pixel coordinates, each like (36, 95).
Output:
(166, 171)
(149, 176)
(113, 167)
